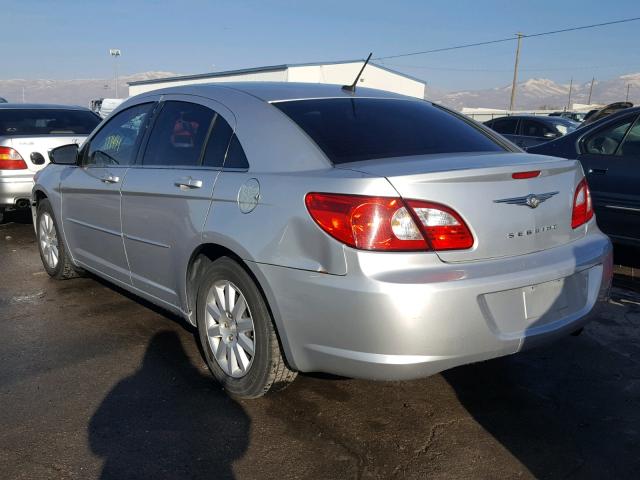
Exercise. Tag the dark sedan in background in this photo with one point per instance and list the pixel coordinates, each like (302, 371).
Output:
(527, 131)
(609, 151)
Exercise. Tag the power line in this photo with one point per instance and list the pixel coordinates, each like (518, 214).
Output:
(496, 70)
(509, 39)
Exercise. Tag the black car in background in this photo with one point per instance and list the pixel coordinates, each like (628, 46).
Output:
(609, 151)
(527, 131)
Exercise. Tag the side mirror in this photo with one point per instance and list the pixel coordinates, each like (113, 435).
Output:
(64, 155)
(551, 135)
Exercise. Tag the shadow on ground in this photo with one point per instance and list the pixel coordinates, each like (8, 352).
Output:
(568, 410)
(168, 420)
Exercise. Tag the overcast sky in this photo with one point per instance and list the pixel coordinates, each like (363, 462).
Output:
(71, 39)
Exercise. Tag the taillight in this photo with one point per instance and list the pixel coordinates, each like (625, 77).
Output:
(11, 160)
(442, 226)
(582, 205)
(388, 223)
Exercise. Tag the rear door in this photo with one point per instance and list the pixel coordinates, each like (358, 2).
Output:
(91, 193)
(167, 196)
(611, 160)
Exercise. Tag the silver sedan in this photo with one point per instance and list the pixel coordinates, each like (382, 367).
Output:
(305, 227)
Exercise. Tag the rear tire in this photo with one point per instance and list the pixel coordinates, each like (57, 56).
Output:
(237, 334)
(53, 251)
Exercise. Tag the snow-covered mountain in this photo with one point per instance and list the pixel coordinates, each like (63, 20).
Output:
(73, 92)
(532, 93)
(542, 92)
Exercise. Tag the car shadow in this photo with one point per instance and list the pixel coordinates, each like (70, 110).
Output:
(168, 420)
(568, 409)
(17, 216)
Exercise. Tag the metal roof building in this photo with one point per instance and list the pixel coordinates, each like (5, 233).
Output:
(339, 73)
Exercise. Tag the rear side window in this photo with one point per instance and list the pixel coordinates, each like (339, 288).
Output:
(218, 143)
(531, 128)
(178, 135)
(504, 126)
(353, 129)
(235, 155)
(607, 140)
(47, 121)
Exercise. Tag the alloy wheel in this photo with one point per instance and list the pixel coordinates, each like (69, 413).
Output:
(230, 329)
(48, 240)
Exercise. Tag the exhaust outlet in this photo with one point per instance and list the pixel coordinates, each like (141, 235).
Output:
(22, 203)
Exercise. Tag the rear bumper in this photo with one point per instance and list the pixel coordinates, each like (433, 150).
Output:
(14, 188)
(398, 316)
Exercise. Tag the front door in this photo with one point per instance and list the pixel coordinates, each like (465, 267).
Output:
(166, 198)
(611, 161)
(91, 194)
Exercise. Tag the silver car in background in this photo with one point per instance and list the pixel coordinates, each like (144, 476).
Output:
(304, 227)
(27, 133)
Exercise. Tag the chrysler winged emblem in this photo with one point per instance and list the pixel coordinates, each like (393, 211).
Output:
(533, 200)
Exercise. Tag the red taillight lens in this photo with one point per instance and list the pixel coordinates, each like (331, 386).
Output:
(442, 226)
(368, 223)
(387, 223)
(11, 160)
(582, 205)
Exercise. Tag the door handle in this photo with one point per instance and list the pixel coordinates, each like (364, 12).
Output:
(110, 179)
(598, 171)
(189, 182)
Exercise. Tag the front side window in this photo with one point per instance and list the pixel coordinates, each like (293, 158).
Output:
(607, 140)
(631, 144)
(116, 144)
(354, 129)
(178, 135)
(47, 121)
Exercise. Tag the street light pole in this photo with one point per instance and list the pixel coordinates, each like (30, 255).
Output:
(628, 87)
(515, 74)
(115, 53)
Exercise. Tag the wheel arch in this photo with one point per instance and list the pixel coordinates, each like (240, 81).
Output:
(207, 253)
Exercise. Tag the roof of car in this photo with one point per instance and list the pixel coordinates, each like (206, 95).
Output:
(281, 91)
(39, 106)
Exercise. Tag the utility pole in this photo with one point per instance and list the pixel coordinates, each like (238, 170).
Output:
(591, 90)
(570, 88)
(515, 74)
(628, 87)
(115, 53)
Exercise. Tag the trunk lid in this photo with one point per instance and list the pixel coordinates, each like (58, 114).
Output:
(480, 187)
(41, 144)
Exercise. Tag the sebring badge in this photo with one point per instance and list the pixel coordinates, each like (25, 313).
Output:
(532, 200)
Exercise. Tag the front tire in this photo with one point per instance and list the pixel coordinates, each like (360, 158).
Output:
(53, 251)
(237, 334)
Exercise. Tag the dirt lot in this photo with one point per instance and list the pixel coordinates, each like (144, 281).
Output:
(95, 383)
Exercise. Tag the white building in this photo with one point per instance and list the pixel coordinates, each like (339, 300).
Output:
(339, 73)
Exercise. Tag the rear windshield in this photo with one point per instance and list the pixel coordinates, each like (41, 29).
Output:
(353, 129)
(47, 122)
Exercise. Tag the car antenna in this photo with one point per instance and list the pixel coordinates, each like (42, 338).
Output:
(352, 87)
